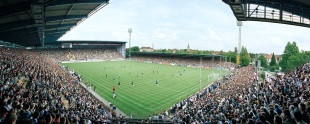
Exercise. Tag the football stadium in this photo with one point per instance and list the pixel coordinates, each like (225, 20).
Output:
(48, 79)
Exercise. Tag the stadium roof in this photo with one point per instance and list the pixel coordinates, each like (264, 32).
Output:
(292, 12)
(90, 41)
(33, 22)
(175, 54)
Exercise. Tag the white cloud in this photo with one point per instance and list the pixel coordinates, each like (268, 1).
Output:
(205, 25)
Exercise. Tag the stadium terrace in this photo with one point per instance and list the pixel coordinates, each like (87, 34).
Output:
(44, 80)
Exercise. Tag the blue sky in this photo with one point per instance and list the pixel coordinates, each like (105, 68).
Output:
(203, 24)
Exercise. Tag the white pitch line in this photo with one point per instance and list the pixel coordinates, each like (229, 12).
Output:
(120, 95)
(167, 76)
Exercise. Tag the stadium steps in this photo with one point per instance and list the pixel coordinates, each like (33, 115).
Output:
(22, 81)
(65, 101)
(106, 103)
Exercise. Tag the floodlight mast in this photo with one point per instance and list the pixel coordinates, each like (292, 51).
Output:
(129, 31)
(239, 23)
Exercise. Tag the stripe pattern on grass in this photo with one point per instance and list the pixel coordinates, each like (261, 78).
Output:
(137, 99)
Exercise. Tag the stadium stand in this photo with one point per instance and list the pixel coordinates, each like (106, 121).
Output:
(31, 90)
(35, 89)
(241, 98)
(183, 60)
(79, 54)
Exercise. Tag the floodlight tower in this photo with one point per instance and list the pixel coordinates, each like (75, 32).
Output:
(153, 45)
(239, 23)
(129, 31)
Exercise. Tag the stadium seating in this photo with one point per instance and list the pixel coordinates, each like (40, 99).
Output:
(241, 98)
(35, 89)
(185, 61)
(79, 54)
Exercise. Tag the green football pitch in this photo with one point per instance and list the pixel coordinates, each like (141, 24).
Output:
(175, 83)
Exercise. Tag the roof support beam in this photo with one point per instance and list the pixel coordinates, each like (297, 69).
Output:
(58, 32)
(66, 14)
(52, 31)
(56, 26)
(12, 25)
(66, 2)
(15, 8)
(25, 6)
(63, 19)
(38, 11)
(279, 11)
(254, 10)
(60, 18)
(29, 30)
(33, 31)
(25, 37)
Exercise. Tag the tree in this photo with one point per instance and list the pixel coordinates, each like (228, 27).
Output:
(263, 61)
(164, 50)
(127, 52)
(221, 52)
(291, 51)
(231, 56)
(295, 60)
(244, 57)
(306, 56)
(252, 56)
(263, 76)
(135, 48)
(273, 60)
(273, 64)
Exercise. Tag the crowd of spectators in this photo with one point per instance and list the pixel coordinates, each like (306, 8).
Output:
(241, 98)
(35, 89)
(79, 54)
(185, 61)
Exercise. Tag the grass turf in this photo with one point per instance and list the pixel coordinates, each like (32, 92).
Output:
(136, 100)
